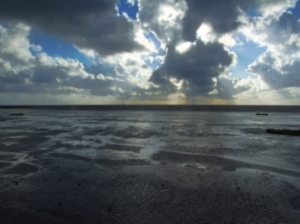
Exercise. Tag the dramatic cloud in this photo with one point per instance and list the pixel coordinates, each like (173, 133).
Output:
(90, 24)
(190, 68)
(14, 46)
(123, 76)
(276, 74)
(163, 18)
(286, 27)
(21, 71)
(174, 51)
(279, 65)
(198, 68)
(224, 17)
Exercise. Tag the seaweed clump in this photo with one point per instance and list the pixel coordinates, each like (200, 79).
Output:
(283, 132)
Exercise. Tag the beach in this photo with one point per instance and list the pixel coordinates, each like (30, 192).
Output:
(148, 166)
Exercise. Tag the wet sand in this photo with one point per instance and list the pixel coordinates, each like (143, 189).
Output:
(120, 173)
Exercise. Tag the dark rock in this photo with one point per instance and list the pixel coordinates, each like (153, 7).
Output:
(16, 114)
(15, 182)
(260, 114)
(109, 210)
(283, 132)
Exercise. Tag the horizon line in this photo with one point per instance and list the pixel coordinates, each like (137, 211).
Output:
(125, 105)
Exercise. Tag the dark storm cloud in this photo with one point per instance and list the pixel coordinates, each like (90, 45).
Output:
(91, 24)
(167, 29)
(286, 26)
(288, 23)
(199, 67)
(8, 78)
(220, 14)
(196, 67)
(94, 24)
(279, 66)
(227, 87)
(273, 75)
(202, 65)
(47, 75)
(53, 80)
(22, 72)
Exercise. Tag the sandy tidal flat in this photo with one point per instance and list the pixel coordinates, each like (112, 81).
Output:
(68, 166)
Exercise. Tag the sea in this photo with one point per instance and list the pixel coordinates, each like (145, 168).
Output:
(149, 164)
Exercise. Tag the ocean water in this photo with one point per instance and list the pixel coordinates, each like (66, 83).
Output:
(160, 159)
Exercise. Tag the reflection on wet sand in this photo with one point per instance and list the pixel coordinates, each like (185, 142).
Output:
(150, 167)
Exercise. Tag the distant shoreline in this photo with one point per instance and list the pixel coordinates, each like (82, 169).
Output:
(230, 108)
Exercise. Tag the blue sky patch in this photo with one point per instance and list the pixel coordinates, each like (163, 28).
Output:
(152, 37)
(154, 63)
(296, 10)
(55, 47)
(129, 9)
(253, 13)
(246, 54)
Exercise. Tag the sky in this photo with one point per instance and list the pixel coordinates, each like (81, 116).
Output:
(236, 52)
